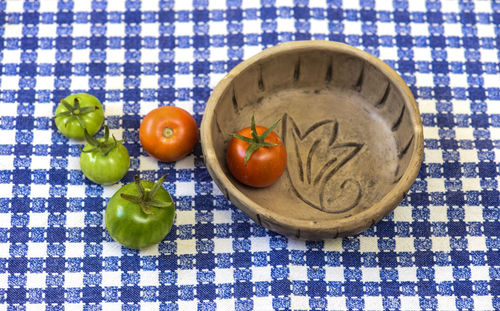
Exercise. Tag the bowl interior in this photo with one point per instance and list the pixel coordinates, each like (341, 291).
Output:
(348, 132)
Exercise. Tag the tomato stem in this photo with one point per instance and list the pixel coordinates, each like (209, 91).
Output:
(74, 111)
(257, 141)
(104, 146)
(146, 199)
(168, 132)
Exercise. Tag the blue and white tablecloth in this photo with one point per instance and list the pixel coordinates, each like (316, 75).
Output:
(440, 249)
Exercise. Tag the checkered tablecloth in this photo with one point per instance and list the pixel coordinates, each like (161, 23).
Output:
(440, 249)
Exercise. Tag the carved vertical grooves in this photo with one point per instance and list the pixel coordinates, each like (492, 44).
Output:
(405, 149)
(217, 123)
(309, 159)
(297, 235)
(296, 71)
(382, 101)
(261, 81)
(235, 102)
(400, 118)
(359, 83)
(328, 76)
(259, 221)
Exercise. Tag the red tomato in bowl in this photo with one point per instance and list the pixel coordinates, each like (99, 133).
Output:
(168, 133)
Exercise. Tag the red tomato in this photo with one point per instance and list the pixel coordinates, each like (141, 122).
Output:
(168, 133)
(265, 165)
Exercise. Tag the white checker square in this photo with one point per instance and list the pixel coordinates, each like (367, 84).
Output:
(383, 29)
(403, 214)
(479, 273)
(184, 188)
(336, 303)
(490, 81)
(285, 25)
(461, 107)
(222, 216)
(186, 5)
(482, 302)
(115, 30)
(150, 251)
(334, 273)
(352, 28)
(186, 247)
(450, 7)
(73, 279)
(35, 280)
(441, 244)
(424, 79)
(370, 274)
(334, 245)
(351, 5)
(185, 163)
(44, 83)
(455, 54)
(48, 6)
(113, 306)
(482, 7)
(43, 110)
(75, 219)
(148, 305)
(5, 221)
(417, 6)
(368, 244)
(388, 53)
(435, 185)
(184, 28)
(409, 302)
(224, 275)
(40, 162)
(147, 107)
(299, 302)
(38, 219)
(150, 55)
(79, 82)
(111, 278)
(149, 82)
(486, 30)
(36, 250)
(75, 249)
(9, 109)
(317, 3)
(251, 26)
(111, 249)
(489, 55)
(150, 29)
(148, 163)
(148, 278)
(248, 4)
(223, 245)
(433, 155)
(5, 191)
(294, 244)
(458, 80)
(404, 244)
(147, 6)
(452, 29)
(259, 244)
(184, 56)
(298, 273)
(114, 83)
(438, 213)
(407, 274)
(183, 81)
(218, 54)
(443, 273)
(7, 162)
(10, 83)
(73, 163)
(471, 184)
(40, 191)
(419, 29)
(186, 277)
(467, 155)
(18, 6)
(374, 302)
(283, 3)
(11, 56)
(4, 280)
(318, 26)
(465, 132)
(49, 31)
(4, 250)
(427, 106)
(80, 55)
(223, 304)
(474, 214)
(446, 302)
(82, 30)
(186, 105)
(262, 274)
(423, 54)
(185, 217)
(217, 28)
(83, 6)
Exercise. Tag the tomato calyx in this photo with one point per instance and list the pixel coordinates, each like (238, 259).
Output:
(257, 141)
(146, 199)
(74, 111)
(104, 146)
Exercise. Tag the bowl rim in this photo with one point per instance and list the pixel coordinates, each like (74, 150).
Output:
(358, 221)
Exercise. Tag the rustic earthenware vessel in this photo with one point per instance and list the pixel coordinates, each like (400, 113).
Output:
(351, 127)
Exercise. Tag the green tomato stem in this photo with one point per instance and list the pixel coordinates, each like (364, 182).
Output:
(145, 199)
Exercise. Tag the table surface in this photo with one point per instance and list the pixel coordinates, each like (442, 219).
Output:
(439, 249)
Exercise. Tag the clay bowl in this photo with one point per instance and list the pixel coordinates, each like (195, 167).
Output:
(351, 128)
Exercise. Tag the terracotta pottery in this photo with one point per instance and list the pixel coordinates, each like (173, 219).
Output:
(350, 125)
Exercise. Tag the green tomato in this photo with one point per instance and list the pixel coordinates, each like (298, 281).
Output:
(105, 169)
(78, 112)
(139, 218)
